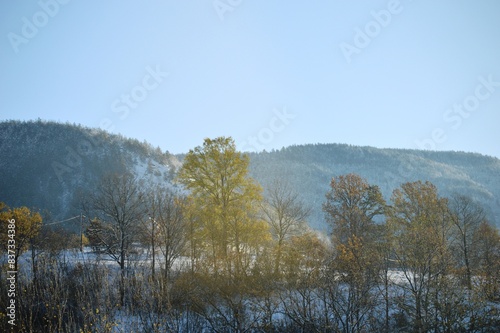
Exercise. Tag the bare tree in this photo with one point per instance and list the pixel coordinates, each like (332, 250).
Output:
(118, 206)
(467, 217)
(286, 215)
(168, 224)
(487, 255)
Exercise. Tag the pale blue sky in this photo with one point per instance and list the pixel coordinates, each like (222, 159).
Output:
(268, 73)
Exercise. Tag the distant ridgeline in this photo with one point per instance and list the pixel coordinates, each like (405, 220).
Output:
(309, 168)
(46, 165)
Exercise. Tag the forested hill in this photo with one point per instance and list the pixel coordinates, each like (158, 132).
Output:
(44, 165)
(309, 169)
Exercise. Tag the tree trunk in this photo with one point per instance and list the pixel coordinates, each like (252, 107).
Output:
(467, 264)
(122, 278)
(418, 313)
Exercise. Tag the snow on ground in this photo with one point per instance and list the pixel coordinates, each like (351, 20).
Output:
(140, 258)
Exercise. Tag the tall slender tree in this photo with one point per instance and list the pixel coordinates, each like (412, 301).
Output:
(224, 204)
(467, 217)
(420, 224)
(351, 207)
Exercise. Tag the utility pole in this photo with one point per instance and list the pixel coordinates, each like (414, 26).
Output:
(153, 243)
(81, 232)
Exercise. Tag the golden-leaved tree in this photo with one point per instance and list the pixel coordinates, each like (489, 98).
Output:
(27, 226)
(224, 231)
(226, 202)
